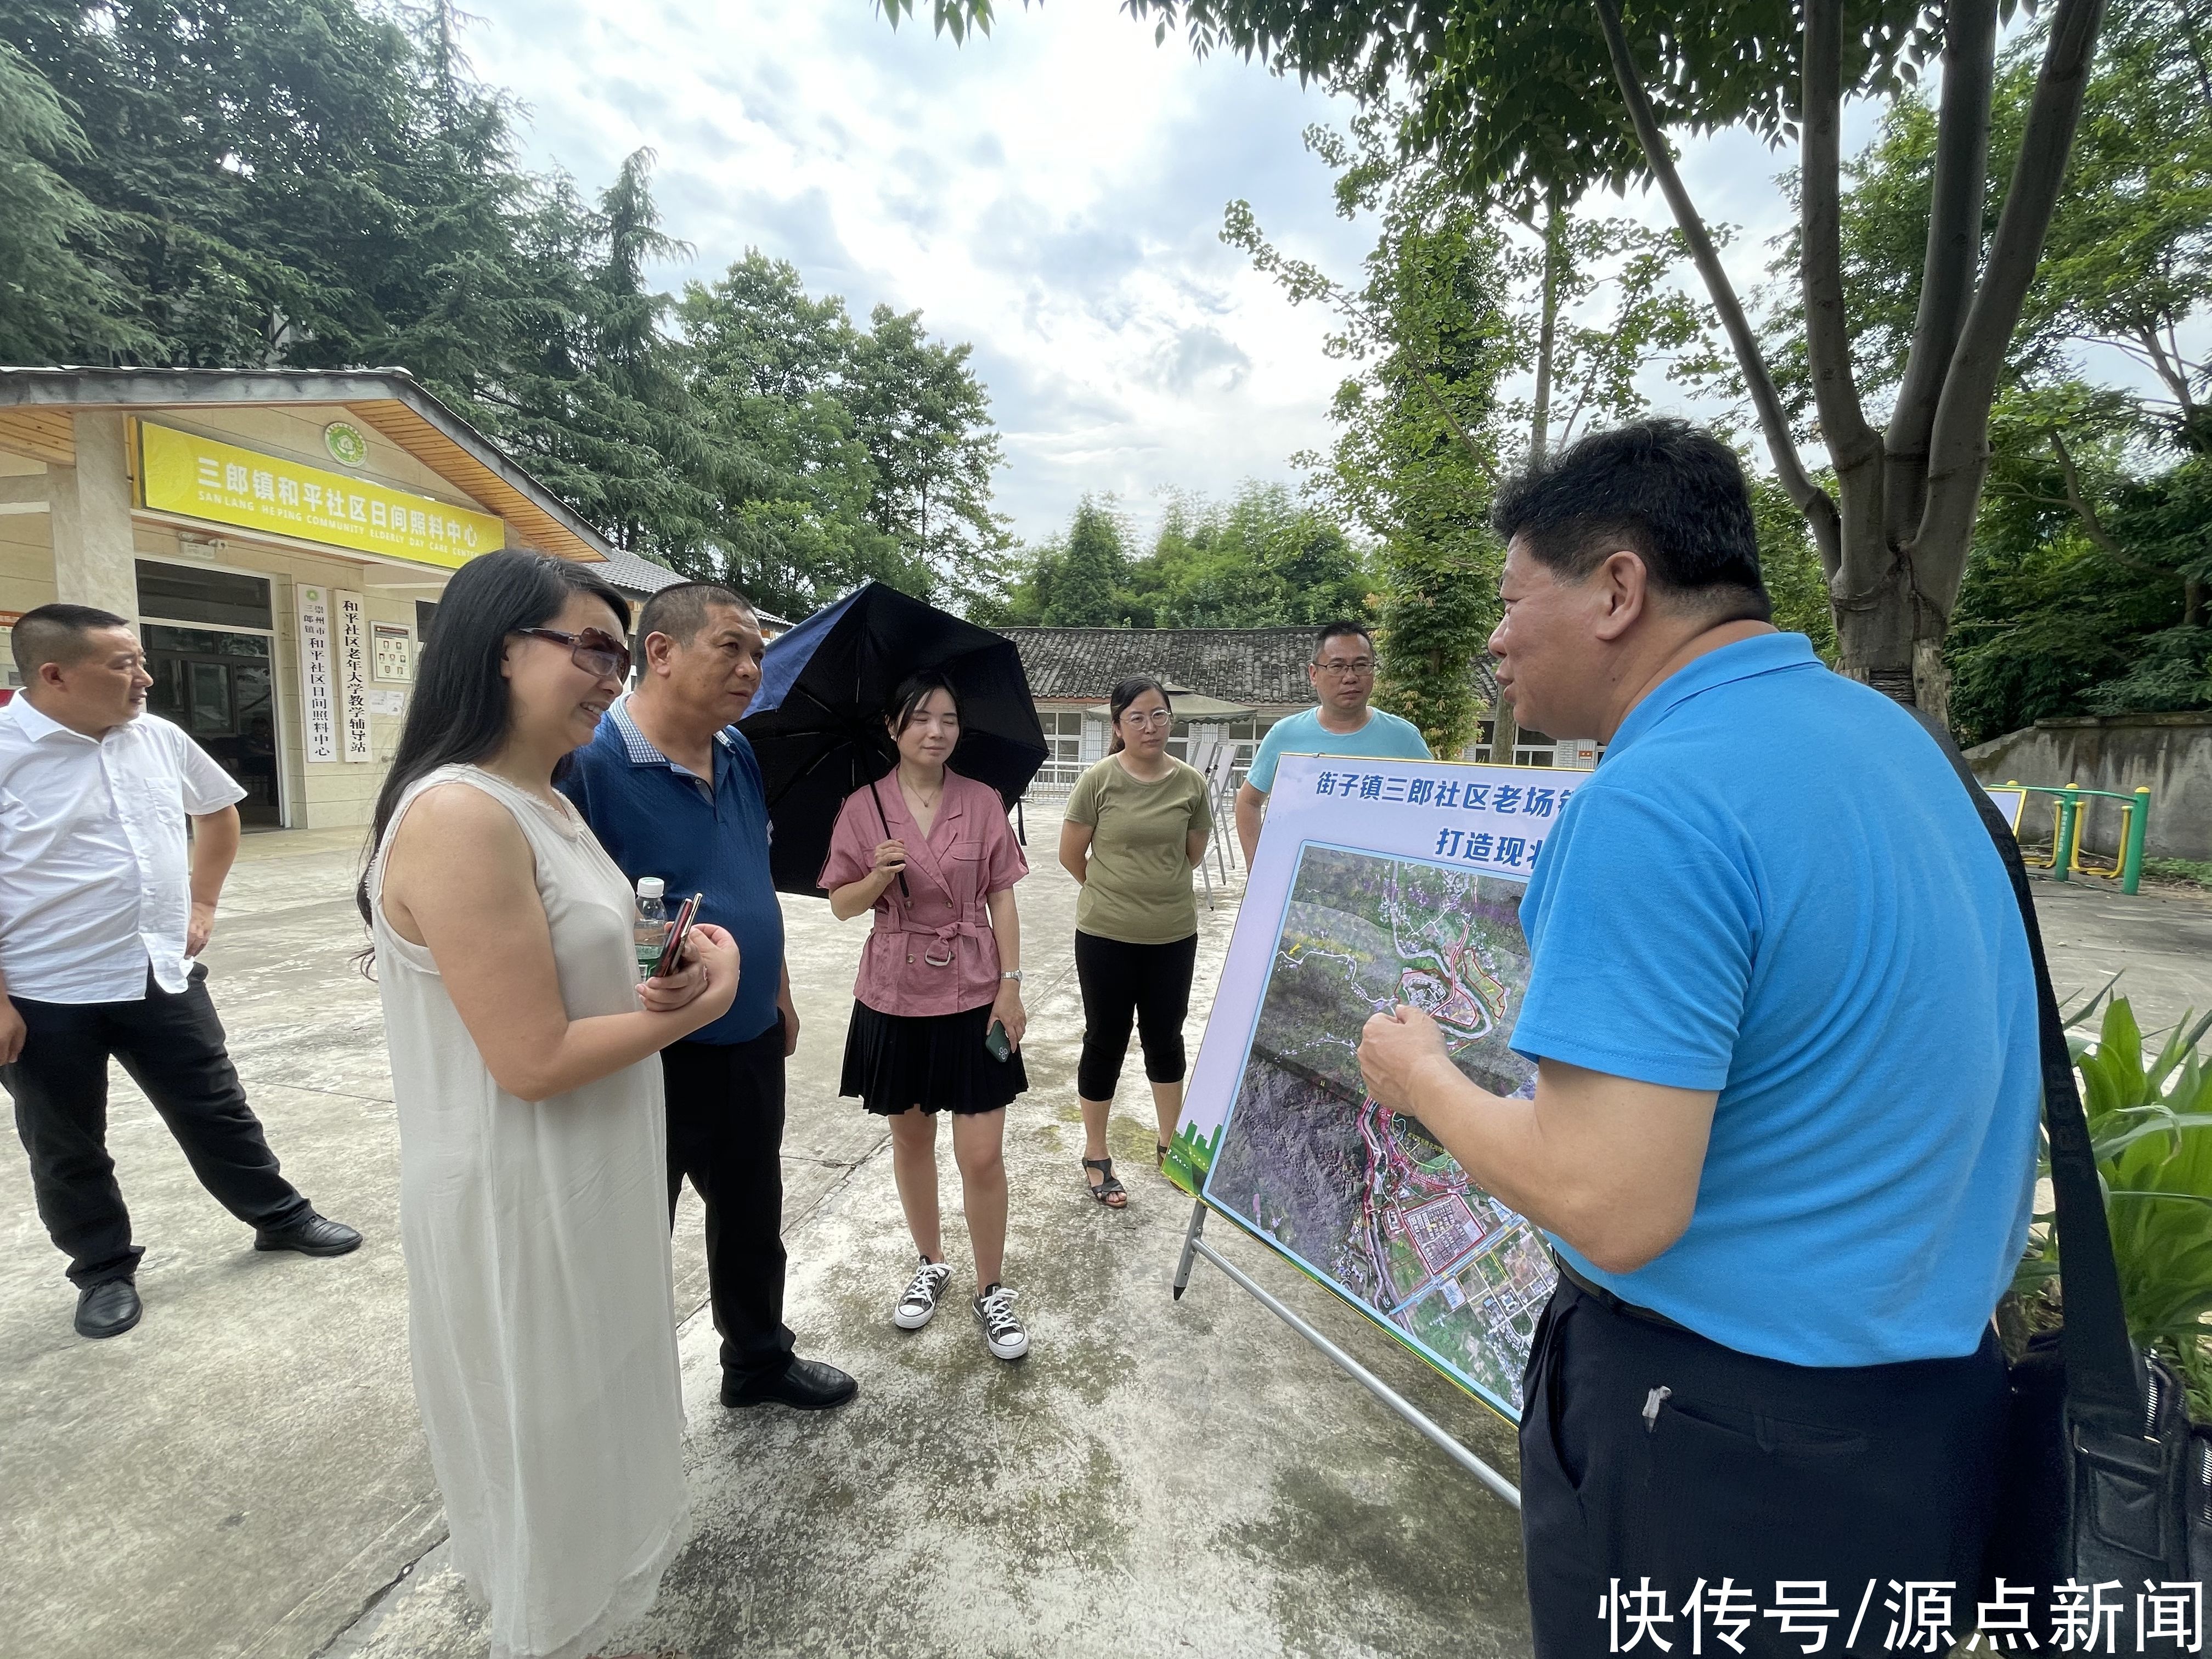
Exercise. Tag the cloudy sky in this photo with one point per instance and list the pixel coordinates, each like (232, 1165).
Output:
(1052, 194)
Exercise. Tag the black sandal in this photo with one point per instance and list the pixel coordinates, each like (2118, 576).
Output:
(1109, 1189)
(1160, 1149)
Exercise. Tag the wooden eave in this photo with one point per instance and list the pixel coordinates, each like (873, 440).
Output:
(37, 406)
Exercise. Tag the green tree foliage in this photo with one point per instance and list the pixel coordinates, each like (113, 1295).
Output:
(54, 292)
(1454, 307)
(839, 453)
(303, 183)
(1264, 560)
(924, 420)
(1791, 566)
(2128, 261)
(1421, 418)
(766, 364)
(2068, 612)
(1081, 579)
(597, 406)
(264, 155)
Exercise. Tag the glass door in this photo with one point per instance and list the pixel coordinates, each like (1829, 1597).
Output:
(219, 686)
(209, 635)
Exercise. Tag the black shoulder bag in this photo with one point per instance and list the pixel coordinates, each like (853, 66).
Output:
(2103, 1477)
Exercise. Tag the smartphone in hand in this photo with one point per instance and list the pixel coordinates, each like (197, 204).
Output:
(672, 953)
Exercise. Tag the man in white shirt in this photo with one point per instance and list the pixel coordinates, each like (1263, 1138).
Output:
(1342, 673)
(100, 914)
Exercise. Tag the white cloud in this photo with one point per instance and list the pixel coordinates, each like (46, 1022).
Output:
(1051, 193)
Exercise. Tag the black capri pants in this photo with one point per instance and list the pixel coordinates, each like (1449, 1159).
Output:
(1149, 982)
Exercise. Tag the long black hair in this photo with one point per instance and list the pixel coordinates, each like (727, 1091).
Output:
(460, 708)
(1126, 693)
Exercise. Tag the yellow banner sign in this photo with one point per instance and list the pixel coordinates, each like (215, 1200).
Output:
(203, 478)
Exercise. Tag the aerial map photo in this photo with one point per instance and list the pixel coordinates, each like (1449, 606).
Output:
(1362, 1195)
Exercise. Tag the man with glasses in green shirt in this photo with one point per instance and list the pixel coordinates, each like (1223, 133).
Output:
(1343, 675)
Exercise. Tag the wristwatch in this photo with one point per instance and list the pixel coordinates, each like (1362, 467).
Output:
(1016, 976)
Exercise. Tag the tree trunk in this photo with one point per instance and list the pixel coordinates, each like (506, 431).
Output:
(1931, 681)
(1890, 637)
(1895, 549)
(1504, 730)
(1547, 334)
(1874, 636)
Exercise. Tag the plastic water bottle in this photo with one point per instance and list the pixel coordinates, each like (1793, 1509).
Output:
(652, 926)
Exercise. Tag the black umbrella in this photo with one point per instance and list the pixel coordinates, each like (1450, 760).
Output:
(816, 722)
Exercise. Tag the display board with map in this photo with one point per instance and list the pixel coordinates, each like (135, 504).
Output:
(1363, 896)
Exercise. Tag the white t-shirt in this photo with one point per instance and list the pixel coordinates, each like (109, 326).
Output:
(96, 885)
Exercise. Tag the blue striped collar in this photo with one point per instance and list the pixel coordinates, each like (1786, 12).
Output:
(641, 748)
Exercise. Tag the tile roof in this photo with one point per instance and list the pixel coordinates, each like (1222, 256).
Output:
(642, 578)
(1265, 667)
(634, 576)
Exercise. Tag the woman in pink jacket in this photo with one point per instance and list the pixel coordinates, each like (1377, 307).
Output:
(937, 1014)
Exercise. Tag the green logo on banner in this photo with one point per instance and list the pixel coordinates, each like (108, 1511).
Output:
(345, 441)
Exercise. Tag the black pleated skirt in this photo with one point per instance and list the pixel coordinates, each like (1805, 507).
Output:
(894, 1062)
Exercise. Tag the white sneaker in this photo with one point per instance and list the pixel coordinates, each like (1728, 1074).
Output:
(1002, 1332)
(919, 1304)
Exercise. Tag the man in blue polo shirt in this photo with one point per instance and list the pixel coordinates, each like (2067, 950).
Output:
(1784, 1129)
(1341, 722)
(672, 789)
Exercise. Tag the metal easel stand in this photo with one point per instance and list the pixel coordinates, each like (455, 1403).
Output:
(1224, 812)
(1194, 1245)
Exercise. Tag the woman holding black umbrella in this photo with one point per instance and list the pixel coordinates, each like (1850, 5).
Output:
(937, 1014)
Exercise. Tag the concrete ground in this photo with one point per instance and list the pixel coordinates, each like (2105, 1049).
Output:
(2159, 942)
(244, 1474)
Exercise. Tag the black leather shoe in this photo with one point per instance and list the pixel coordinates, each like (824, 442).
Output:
(807, 1385)
(107, 1309)
(313, 1235)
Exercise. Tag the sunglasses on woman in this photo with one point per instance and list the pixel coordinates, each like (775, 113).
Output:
(595, 651)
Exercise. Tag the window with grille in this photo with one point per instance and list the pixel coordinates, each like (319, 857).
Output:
(1063, 734)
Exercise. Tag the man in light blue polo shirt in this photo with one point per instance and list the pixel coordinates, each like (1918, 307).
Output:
(1784, 1129)
(1342, 673)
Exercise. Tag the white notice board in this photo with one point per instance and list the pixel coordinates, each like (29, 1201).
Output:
(319, 708)
(353, 673)
(2009, 802)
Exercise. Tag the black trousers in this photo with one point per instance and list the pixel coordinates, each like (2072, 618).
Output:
(1746, 1469)
(171, 1045)
(725, 1133)
(1150, 983)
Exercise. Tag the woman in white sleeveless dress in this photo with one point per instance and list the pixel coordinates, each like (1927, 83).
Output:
(534, 1195)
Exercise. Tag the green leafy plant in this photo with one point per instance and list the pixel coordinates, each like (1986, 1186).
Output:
(2150, 1126)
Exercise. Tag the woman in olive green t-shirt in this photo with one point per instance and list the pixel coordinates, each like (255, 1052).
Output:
(1137, 826)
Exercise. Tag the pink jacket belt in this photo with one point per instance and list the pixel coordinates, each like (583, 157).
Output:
(944, 935)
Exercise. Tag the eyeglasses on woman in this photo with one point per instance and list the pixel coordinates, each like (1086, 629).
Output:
(595, 651)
